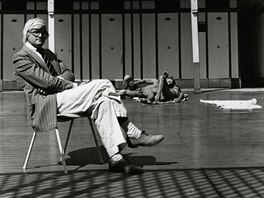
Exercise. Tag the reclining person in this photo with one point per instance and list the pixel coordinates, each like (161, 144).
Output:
(50, 90)
(162, 90)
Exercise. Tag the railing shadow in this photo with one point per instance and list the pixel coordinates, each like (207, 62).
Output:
(203, 183)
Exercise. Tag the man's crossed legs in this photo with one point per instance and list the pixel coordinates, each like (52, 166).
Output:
(99, 100)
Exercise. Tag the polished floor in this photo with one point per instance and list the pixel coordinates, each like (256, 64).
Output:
(207, 152)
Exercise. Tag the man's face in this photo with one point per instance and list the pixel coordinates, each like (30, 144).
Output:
(37, 37)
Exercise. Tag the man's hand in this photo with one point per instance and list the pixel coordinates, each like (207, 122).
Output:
(74, 85)
(166, 74)
(44, 93)
(157, 97)
(121, 92)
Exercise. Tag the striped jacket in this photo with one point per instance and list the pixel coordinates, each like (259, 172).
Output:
(32, 74)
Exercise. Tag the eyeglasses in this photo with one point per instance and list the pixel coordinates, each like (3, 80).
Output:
(37, 33)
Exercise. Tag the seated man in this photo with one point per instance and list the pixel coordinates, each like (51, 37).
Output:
(162, 90)
(50, 90)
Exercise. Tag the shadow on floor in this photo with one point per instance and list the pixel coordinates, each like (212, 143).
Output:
(85, 156)
(179, 183)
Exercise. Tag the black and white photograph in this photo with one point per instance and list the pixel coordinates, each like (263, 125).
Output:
(132, 98)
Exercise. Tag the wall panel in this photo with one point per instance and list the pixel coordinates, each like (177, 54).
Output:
(112, 64)
(63, 38)
(168, 44)
(186, 47)
(218, 47)
(202, 42)
(202, 55)
(12, 42)
(148, 47)
(30, 16)
(128, 45)
(137, 51)
(76, 46)
(95, 46)
(85, 47)
(234, 45)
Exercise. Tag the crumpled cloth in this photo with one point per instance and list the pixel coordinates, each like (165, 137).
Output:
(234, 104)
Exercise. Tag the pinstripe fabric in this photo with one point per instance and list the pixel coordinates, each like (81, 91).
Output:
(32, 74)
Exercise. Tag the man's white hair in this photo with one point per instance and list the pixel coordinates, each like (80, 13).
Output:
(34, 23)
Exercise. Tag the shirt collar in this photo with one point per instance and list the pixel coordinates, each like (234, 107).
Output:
(31, 47)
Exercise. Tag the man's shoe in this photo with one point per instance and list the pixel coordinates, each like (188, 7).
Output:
(145, 139)
(124, 166)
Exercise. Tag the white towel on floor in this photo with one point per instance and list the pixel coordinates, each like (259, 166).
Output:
(234, 104)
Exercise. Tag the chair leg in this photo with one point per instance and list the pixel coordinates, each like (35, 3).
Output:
(29, 149)
(61, 151)
(68, 136)
(96, 142)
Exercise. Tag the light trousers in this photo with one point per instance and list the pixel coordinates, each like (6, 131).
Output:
(98, 100)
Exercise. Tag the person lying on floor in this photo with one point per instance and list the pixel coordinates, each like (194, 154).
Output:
(162, 90)
(50, 90)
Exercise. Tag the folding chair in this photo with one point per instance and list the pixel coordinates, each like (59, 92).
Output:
(62, 118)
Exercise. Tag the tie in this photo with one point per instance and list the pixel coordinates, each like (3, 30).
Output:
(47, 61)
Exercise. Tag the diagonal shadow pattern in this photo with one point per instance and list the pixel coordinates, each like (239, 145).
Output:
(98, 183)
(201, 183)
(238, 182)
